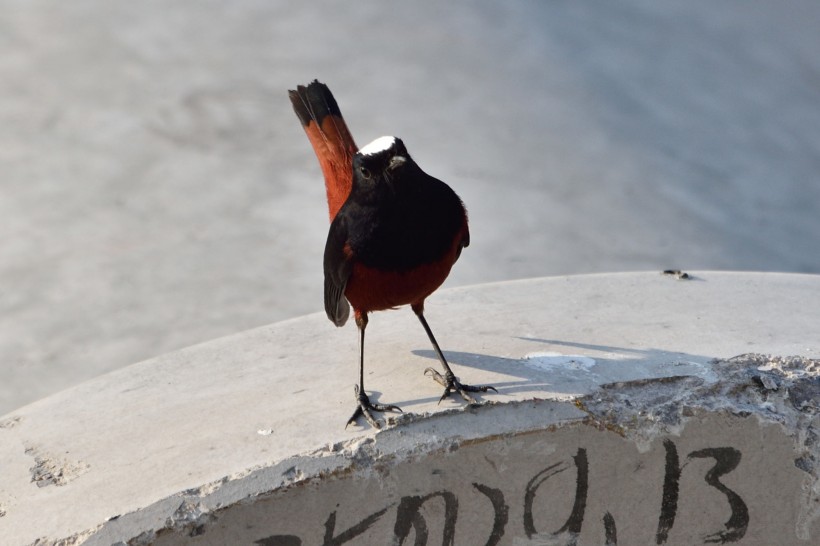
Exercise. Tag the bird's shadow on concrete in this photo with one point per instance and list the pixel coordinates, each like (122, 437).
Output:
(563, 376)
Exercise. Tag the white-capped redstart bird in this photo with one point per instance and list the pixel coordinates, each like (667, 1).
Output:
(395, 231)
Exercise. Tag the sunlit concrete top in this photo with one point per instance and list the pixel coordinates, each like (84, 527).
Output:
(124, 448)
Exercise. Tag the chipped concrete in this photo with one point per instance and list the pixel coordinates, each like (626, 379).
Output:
(524, 487)
(50, 470)
(773, 389)
(624, 414)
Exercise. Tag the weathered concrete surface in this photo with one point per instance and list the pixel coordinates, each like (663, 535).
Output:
(613, 420)
(156, 190)
(526, 486)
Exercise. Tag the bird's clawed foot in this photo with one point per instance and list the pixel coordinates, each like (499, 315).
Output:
(451, 384)
(366, 407)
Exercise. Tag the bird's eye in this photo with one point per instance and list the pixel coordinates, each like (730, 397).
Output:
(365, 172)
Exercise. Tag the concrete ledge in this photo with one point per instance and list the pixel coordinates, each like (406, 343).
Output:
(622, 418)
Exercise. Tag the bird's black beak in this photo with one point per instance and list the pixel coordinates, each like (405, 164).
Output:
(396, 162)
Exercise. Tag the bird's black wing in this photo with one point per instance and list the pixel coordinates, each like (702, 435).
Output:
(338, 265)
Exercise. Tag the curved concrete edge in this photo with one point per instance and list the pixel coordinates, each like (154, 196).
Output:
(679, 414)
(407, 439)
(172, 448)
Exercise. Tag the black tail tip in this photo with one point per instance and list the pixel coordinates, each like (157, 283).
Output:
(313, 102)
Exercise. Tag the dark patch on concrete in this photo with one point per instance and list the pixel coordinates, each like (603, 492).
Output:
(11, 422)
(678, 274)
(190, 519)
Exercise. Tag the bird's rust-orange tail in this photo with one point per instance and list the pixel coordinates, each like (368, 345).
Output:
(331, 140)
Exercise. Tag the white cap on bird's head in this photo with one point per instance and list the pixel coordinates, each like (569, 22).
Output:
(381, 144)
(384, 154)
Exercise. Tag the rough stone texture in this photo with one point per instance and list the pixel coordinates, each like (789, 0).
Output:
(157, 190)
(623, 413)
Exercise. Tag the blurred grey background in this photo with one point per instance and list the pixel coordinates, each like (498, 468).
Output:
(158, 191)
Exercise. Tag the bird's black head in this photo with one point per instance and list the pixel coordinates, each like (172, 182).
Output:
(382, 160)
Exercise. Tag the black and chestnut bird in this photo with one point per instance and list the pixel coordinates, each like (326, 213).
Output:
(395, 231)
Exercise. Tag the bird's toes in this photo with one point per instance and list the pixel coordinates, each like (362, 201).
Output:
(438, 378)
(365, 408)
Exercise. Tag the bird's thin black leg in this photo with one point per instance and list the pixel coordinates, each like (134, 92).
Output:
(449, 381)
(365, 407)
